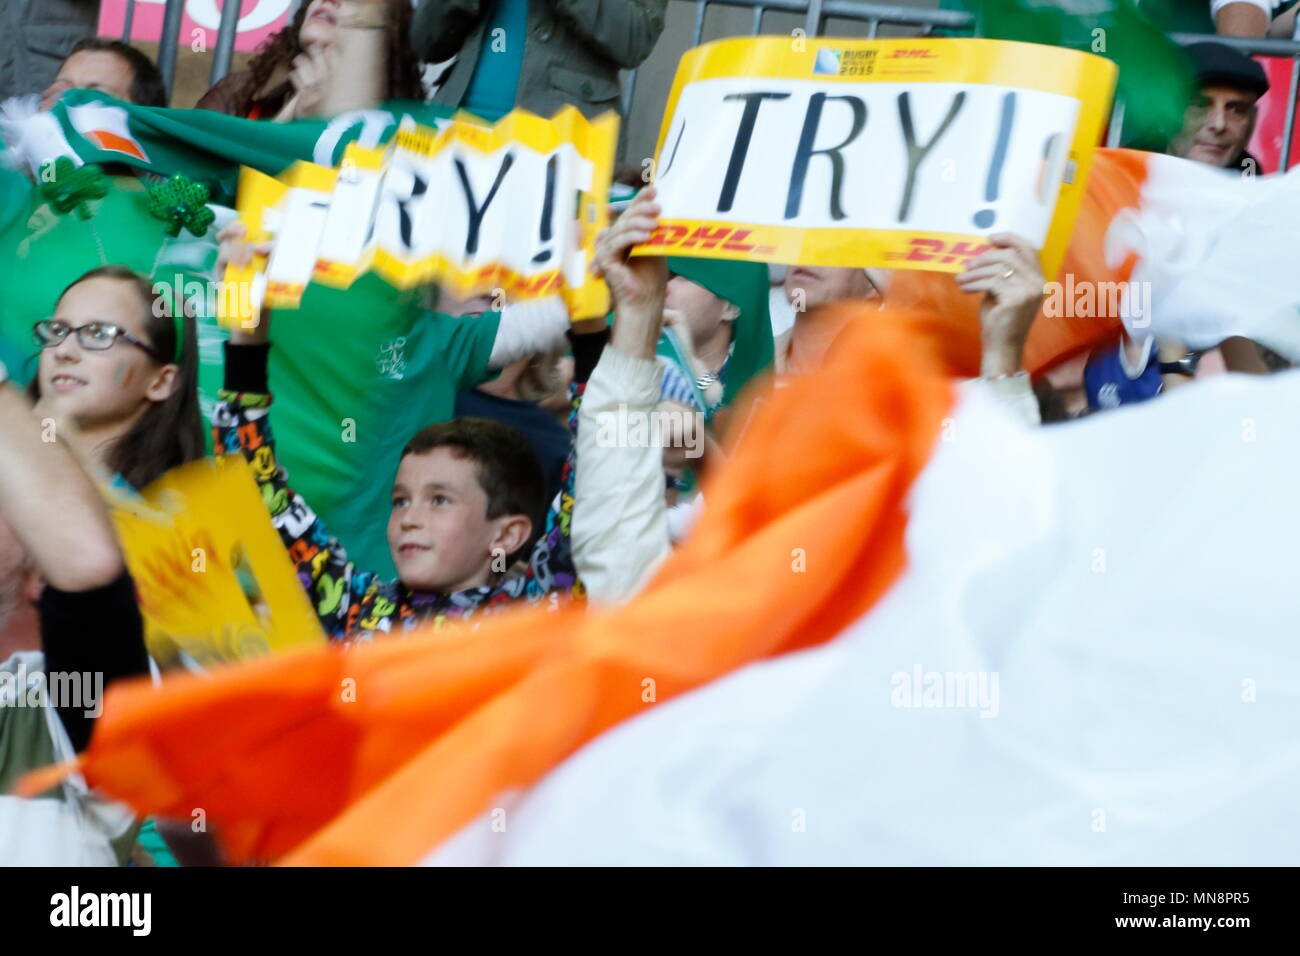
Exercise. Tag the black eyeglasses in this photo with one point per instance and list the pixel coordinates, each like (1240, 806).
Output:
(94, 336)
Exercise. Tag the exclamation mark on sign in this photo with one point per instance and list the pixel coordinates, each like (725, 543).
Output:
(548, 211)
(985, 217)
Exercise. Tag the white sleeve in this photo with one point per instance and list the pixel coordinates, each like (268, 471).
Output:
(528, 328)
(1015, 393)
(1268, 6)
(620, 524)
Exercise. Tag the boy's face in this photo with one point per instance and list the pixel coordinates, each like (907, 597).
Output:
(438, 532)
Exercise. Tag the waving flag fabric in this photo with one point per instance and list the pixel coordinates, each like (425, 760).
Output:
(917, 547)
(378, 753)
(1055, 679)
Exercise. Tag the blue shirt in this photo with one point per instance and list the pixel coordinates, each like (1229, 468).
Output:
(495, 81)
(1110, 383)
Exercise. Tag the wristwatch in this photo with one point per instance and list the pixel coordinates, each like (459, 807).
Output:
(1183, 366)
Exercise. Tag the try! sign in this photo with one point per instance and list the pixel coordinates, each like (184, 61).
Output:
(899, 153)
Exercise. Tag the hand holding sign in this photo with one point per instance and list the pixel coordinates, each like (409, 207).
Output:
(238, 253)
(1012, 282)
(638, 286)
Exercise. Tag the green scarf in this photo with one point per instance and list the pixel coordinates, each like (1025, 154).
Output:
(210, 147)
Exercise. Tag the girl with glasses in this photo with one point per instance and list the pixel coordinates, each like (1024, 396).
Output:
(120, 365)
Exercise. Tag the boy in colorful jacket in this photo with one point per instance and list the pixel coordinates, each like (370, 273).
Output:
(468, 501)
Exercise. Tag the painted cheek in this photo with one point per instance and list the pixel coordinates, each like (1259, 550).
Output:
(124, 375)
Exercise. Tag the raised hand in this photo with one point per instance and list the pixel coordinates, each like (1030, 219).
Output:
(1012, 281)
(637, 283)
(311, 74)
(235, 249)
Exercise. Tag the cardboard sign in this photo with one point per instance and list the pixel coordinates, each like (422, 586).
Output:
(199, 23)
(515, 208)
(213, 577)
(893, 153)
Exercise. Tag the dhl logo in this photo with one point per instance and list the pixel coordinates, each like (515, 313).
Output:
(704, 237)
(511, 281)
(912, 54)
(934, 250)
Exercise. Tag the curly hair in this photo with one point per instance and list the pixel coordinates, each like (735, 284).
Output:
(282, 47)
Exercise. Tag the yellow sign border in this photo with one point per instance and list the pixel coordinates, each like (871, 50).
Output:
(1085, 77)
(594, 140)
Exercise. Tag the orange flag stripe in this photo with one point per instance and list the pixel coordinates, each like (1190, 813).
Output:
(107, 139)
(443, 724)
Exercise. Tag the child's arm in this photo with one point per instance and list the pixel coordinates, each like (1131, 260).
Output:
(620, 522)
(610, 518)
(241, 422)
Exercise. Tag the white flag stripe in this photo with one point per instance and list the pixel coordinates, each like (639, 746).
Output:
(1112, 574)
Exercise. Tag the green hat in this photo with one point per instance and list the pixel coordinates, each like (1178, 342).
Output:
(744, 285)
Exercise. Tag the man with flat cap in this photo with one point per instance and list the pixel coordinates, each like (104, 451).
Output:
(1221, 118)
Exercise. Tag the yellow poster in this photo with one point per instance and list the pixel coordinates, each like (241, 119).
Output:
(512, 209)
(875, 153)
(213, 578)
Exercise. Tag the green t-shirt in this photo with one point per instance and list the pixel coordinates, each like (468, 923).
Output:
(355, 373)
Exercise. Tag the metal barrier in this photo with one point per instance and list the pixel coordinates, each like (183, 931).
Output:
(128, 20)
(817, 12)
(167, 42)
(230, 10)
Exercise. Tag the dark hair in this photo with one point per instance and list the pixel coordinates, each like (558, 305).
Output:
(509, 471)
(280, 48)
(147, 86)
(170, 432)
